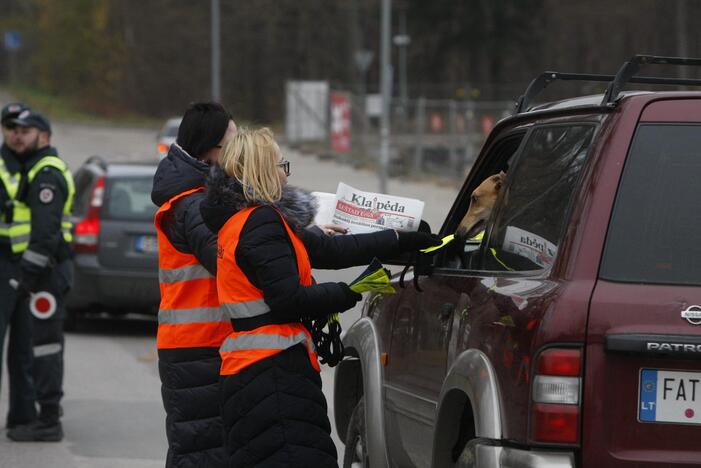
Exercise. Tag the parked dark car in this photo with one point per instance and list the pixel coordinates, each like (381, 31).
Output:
(115, 246)
(570, 336)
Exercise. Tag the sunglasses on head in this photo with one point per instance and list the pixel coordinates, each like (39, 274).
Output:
(285, 165)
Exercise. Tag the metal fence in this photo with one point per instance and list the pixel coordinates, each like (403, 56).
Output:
(435, 137)
(428, 136)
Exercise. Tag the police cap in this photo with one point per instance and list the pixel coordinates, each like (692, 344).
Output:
(29, 118)
(11, 111)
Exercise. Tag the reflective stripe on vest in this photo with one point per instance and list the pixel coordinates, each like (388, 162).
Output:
(185, 273)
(246, 309)
(19, 231)
(262, 341)
(240, 299)
(189, 315)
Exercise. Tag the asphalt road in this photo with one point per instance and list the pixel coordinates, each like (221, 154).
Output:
(113, 411)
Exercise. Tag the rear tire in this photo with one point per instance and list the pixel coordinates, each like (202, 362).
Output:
(356, 453)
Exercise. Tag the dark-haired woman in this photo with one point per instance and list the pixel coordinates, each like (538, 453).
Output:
(190, 325)
(273, 409)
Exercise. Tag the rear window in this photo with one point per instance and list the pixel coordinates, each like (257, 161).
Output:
(129, 199)
(654, 235)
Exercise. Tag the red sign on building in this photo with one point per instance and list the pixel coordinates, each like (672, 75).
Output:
(340, 122)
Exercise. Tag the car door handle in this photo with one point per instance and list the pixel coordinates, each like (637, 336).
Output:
(447, 310)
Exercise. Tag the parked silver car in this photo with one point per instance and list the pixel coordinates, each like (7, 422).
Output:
(115, 246)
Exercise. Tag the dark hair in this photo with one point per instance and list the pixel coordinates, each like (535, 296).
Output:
(202, 128)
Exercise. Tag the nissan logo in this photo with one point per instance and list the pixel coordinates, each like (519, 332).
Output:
(692, 314)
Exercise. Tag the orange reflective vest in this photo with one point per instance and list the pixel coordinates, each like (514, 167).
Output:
(241, 300)
(189, 315)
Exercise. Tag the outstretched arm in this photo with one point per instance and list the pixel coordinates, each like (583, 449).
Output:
(349, 250)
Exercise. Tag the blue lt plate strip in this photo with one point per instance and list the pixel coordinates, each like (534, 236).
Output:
(648, 395)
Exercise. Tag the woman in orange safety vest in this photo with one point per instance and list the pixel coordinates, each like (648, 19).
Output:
(273, 409)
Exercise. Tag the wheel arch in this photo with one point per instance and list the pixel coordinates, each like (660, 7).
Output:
(470, 384)
(348, 390)
(361, 343)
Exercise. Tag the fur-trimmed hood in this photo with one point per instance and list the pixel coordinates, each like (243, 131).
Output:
(225, 198)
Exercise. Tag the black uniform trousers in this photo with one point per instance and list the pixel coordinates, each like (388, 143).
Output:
(15, 315)
(48, 342)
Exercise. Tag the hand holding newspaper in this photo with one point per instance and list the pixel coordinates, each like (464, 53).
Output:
(363, 212)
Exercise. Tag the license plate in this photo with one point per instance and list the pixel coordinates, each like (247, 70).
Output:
(670, 396)
(146, 244)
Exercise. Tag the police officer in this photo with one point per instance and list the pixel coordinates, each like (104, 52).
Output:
(36, 239)
(19, 349)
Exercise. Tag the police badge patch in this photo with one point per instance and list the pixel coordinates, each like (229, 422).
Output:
(46, 195)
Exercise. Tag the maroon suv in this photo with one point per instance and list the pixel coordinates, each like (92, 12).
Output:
(570, 334)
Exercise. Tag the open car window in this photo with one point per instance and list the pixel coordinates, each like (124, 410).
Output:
(531, 213)
(461, 253)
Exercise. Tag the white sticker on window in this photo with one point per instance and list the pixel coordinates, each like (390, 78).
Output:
(528, 245)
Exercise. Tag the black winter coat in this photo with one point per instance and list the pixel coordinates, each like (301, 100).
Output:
(274, 412)
(189, 377)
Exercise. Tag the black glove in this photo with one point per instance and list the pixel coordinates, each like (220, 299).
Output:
(22, 290)
(350, 299)
(29, 281)
(412, 241)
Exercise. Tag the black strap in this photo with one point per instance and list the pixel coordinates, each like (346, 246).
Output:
(329, 346)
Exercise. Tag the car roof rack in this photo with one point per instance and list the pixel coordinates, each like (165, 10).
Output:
(626, 74)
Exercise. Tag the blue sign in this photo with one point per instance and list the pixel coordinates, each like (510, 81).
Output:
(13, 40)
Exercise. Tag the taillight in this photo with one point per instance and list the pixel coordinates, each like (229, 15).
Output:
(88, 230)
(556, 401)
(162, 149)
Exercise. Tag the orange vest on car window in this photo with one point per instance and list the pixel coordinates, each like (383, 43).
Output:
(189, 315)
(241, 300)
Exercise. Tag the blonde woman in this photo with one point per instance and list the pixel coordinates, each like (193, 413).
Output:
(273, 408)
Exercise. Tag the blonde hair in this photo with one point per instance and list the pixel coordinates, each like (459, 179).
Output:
(251, 157)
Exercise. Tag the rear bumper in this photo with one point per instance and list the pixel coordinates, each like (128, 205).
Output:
(515, 458)
(507, 457)
(111, 289)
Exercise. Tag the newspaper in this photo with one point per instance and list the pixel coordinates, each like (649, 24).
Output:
(537, 249)
(368, 211)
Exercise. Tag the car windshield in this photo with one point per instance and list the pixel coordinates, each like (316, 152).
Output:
(129, 199)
